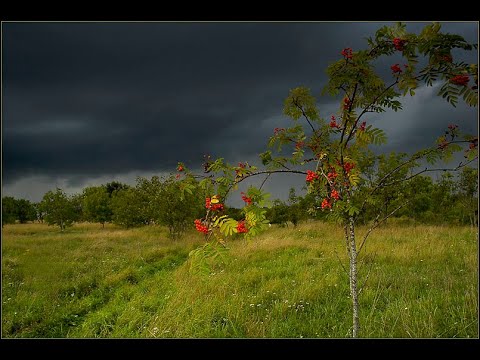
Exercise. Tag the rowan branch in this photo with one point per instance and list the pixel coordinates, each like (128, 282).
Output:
(368, 275)
(365, 110)
(377, 223)
(340, 261)
(304, 115)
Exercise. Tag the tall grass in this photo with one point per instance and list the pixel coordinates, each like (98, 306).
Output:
(91, 282)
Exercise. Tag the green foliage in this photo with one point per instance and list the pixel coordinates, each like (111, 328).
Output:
(204, 259)
(228, 226)
(9, 210)
(25, 211)
(177, 213)
(300, 102)
(59, 209)
(17, 209)
(114, 186)
(96, 204)
(128, 208)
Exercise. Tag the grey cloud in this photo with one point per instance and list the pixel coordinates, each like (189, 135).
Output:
(86, 100)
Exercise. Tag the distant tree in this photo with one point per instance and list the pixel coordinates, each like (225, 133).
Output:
(278, 213)
(468, 194)
(234, 213)
(419, 191)
(127, 208)
(178, 213)
(96, 205)
(293, 208)
(77, 203)
(148, 196)
(443, 199)
(25, 211)
(8, 210)
(114, 186)
(59, 209)
(391, 195)
(39, 212)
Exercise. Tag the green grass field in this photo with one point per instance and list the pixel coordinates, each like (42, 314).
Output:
(287, 283)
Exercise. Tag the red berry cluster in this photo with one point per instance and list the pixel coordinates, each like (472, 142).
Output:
(347, 53)
(396, 69)
(241, 228)
(348, 167)
(443, 144)
(362, 126)
(326, 204)
(332, 175)
(299, 145)
(447, 58)
(334, 194)
(278, 130)
(241, 166)
(245, 198)
(177, 176)
(200, 227)
(333, 122)
(346, 103)
(461, 80)
(399, 44)
(311, 175)
(213, 207)
(180, 168)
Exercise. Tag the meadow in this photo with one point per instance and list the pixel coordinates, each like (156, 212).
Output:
(93, 282)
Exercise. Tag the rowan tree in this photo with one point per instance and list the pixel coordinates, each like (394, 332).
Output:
(332, 151)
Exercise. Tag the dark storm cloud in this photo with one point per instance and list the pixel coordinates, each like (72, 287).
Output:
(85, 100)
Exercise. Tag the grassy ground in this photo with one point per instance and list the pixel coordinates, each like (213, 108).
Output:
(93, 282)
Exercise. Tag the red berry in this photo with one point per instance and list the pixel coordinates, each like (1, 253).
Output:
(396, 69)
(326, 204)
(241, 228)
(461, 80)
(347, 53)
(399, 44)
(311, 175)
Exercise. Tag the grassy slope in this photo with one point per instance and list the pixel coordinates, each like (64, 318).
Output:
(94, 282)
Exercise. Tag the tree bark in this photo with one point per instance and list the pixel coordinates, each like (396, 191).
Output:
(353, 276)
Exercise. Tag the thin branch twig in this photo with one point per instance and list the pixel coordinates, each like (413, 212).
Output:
(376, 223)
(340, 261)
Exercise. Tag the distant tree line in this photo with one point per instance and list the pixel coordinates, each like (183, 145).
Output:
(450, 200)
(156, 201)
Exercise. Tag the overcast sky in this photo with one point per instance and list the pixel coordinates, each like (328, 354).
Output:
(89, 103)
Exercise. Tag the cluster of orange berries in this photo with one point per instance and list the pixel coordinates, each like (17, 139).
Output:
(396, 69)
(461, 80)
(245, 198)
(241, 228)
(299, 145)
(200, 226)
(213, 204)
(348, 167)
(347, 53)
(399, 44)
(333, 122)
(311, 175)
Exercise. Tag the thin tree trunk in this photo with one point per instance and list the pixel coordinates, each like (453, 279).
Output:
(353, 277)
